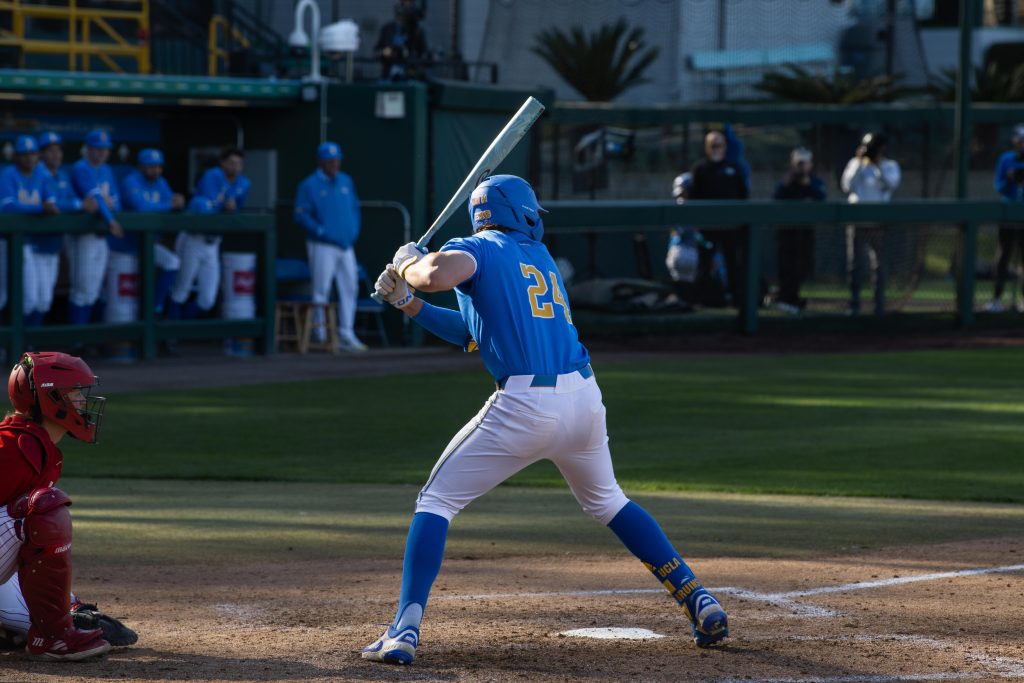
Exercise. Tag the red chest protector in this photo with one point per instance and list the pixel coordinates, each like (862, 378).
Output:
(41, 459)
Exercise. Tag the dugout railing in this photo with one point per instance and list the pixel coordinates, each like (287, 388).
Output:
(594, 219)
(254, 232)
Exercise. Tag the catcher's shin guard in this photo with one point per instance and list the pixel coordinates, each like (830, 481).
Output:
(45, 577)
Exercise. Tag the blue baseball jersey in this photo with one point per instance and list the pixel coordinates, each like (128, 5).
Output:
(97, 181)
(67, 202)
(1006, 186)
(214, 189)
(515, 306)
(328, 210)
(27, 194)
(143, 196)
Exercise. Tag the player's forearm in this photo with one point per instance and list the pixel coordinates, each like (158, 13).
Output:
(427, 275)
(442, 322)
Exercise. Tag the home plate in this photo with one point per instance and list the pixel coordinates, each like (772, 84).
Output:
(611, 633)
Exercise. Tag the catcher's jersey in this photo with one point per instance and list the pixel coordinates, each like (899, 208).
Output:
(515, 306)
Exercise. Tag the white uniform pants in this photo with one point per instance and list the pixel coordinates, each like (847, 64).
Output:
(518, 426)
(13, 611)
(200, 266)
(331, 264)
(87, 267)
(40, 277)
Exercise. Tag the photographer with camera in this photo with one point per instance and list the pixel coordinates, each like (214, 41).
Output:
(796, 243)
(870, 176)
(402, 43)
(1010, 184)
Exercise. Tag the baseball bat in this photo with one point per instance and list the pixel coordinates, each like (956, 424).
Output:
(506, 140)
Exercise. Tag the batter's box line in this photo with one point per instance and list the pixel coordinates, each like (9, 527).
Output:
(1000, 667)
(783, 600)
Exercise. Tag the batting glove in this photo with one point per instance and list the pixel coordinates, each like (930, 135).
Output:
(407, 255)
(393, 289)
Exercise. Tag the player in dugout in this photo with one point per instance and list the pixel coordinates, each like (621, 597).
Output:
(547, 404)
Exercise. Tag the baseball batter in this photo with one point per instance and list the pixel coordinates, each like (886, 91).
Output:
(512, 308)
(25, 188)
(91, 177)
(222, 189)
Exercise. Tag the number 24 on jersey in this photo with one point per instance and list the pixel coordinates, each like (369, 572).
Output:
(538, 289)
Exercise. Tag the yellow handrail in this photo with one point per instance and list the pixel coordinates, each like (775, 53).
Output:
(214, 52)
(79, 29)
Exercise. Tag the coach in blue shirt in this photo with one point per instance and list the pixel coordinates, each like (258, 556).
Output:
(327, 208)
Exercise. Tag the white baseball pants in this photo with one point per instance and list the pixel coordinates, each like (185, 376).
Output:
(331, 264)
(13, 610)
(200, 266)
(518, 426)
(87, 267)
(40, 277)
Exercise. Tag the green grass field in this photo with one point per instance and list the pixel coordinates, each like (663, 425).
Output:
(941, 425)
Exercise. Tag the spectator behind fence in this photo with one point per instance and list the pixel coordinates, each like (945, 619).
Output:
(91, 178)
(796, 244)
(46, 247)
(869, 176)
(1010, 184)
(716, 177)
(327, 208)
(146, 190)
(402, 43)
(24, 188)
(222, 189)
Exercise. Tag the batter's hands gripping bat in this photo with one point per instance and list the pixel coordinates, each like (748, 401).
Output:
(507, 139)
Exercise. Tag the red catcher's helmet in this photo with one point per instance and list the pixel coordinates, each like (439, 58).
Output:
(57, 386)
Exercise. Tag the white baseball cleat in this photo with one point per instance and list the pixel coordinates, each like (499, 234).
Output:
(351, 344)
(394, 647)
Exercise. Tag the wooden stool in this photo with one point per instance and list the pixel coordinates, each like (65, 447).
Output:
(288, 317)
(329, 326)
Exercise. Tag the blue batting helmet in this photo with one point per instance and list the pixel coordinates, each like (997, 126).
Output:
(507, 201)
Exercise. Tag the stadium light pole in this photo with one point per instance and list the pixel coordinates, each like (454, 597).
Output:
(299, 38)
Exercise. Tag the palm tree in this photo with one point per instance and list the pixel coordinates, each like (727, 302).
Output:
(991, 84)
(601, 65)
(803, 85)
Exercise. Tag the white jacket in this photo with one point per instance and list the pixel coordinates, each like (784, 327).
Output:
(866, 182)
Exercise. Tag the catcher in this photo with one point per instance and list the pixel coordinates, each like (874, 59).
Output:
(50, 395)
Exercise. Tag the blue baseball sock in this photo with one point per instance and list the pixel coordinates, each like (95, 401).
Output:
(79, 315)
(424, 551)
(164, 282)
(642, 535)
(175, 311)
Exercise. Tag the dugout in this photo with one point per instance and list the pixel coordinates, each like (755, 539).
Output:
(407, 146)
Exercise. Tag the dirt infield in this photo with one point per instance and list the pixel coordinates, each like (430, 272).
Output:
(895, 614)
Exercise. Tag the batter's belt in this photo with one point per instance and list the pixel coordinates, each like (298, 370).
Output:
(551, 381)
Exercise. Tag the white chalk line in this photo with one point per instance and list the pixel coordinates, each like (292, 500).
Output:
(784, 600)
(999, 667)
